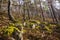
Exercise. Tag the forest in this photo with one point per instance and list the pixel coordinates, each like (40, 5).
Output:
(29, 19)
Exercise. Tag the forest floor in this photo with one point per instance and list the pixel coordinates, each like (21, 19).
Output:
(32, 34)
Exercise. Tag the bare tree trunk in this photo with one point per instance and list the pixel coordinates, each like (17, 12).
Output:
(42, 11)
(54, 14)
(0, 4)
(24, 18)
(36, 14)
(50, 11)
(28, 11)
(10, 16)
(31, 9)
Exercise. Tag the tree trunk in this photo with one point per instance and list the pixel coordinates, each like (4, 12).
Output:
(0, 4)
(54, 14)
(41, 11)
(9, 14)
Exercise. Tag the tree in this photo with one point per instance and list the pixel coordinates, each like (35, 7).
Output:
(41, 11)
(52, 11)
(9, 14)
(0, 4)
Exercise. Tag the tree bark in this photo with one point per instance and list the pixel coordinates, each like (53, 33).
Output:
(41, 11)
(9, 14)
